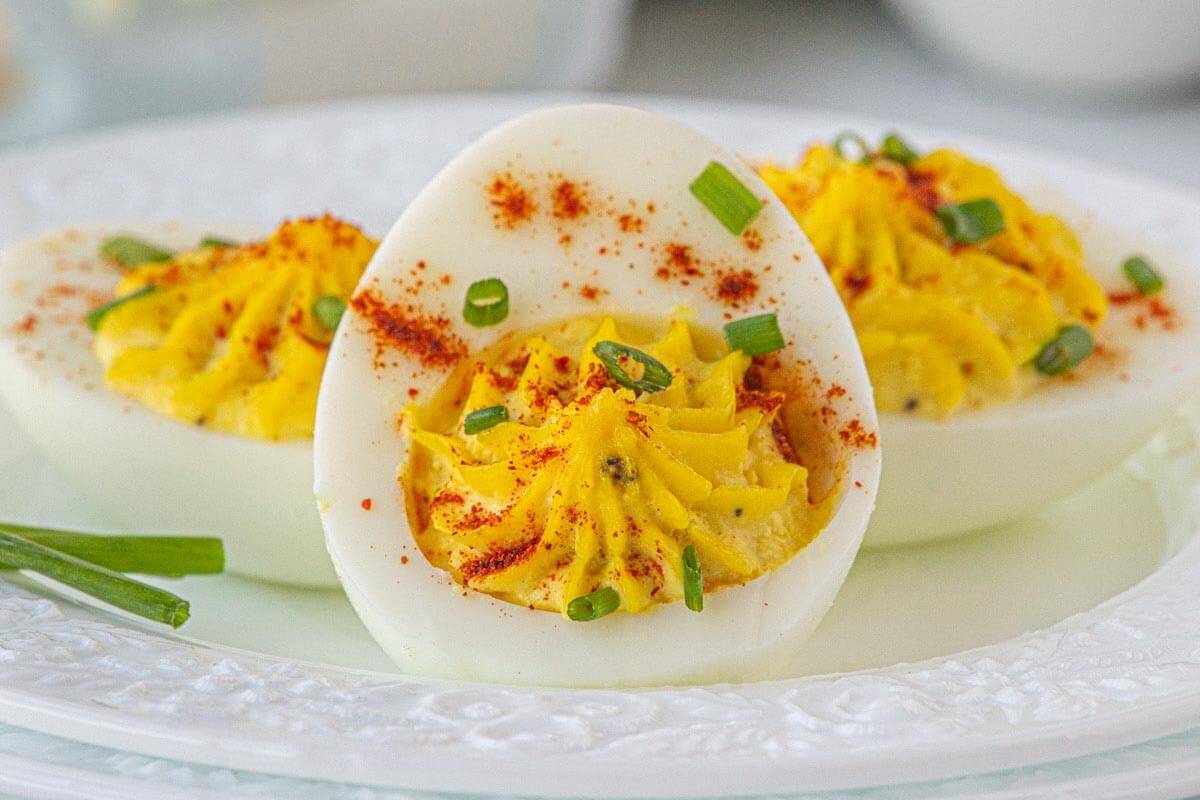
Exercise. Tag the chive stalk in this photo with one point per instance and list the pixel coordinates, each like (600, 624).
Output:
(655, 375)
(486, 302)
(860, 150)
(1065, 351)
(1143, 276)
(971, 221)
(599, 603)
(481, 419)
(150, 602)
(165, 556)
(216, 241)
(898, 150)
(328, 310)
(99, 313)
(693, 579)
(755, 336)
(129, 251)
(726, 197)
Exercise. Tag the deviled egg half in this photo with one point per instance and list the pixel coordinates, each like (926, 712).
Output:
(1015, 356)
(172, 376)
(595, 416)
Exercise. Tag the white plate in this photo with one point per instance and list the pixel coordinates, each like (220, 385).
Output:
(42, 767)
(255, 697)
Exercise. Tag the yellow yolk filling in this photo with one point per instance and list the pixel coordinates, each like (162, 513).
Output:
(590, 485)
(228, 340)
(941, 325)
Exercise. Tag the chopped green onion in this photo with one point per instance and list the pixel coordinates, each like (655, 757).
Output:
(655, 375)
(129, 252)
(167, 556)
(1065, 351)
(103, 584)
(486, 302)
(972, 221)
(328, 310)
(97, 314)
(481, 419)
(1143, 276)
(897, 149)
(693, 579)
(755, 336)
(599, 603)
(851, 137)
(216, 241)
(726, 197)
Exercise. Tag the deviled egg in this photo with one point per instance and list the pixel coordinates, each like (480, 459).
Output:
(1010, 366)
(172, 376)
(595, 416)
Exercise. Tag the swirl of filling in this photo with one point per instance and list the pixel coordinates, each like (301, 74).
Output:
(942, 325)
(588, 484)
(229, 339)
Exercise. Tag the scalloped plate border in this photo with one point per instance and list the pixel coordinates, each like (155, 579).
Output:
(1124, 672)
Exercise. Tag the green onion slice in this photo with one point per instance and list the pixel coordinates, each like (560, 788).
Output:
(483, 418)
(726, 197)
(328, 310)
(486, 302)
(755, 336)
(599, 603)
(1065, 351)
(97, 314)
(1143, 276)
(129, 251)
(216, 241)
(897, 149)
(693, 579)
(857, 142)
(655, 375)
(17, 552)
(972, 221)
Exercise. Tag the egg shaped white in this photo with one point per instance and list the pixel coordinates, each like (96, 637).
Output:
(983, 467)
(453, 234)
(146, 473)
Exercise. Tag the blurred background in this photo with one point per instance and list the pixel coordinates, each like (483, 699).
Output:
(1115, 80)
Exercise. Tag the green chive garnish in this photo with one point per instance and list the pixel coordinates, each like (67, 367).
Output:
(972, 221)
(599, 603)
(1065, 351)
(97, 314)
(129, 252)
(655, 375)
(1143, 276)
(845, 138)
(726, 197)
(482, 419)
(328, 310)
(17, 552)
(486, 302)
(693, 579)
(216, 241)
(897, 150)
(167, 556)
(755, 336)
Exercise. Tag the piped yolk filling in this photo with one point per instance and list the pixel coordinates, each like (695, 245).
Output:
(228, 340)
(942, 326)
(591, 485)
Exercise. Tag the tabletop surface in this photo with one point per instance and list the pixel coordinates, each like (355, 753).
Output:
(850, 55)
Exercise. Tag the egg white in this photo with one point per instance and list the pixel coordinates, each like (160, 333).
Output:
(422, 619)
(146, 472)
(984, 467)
